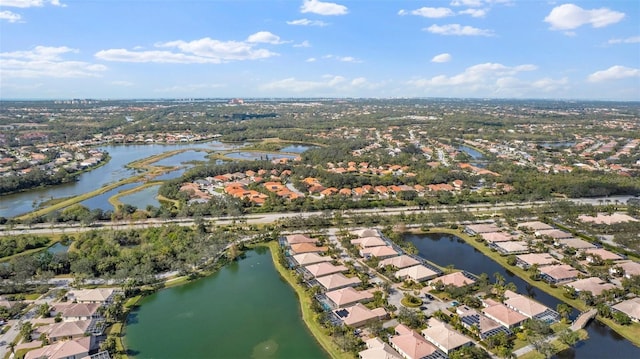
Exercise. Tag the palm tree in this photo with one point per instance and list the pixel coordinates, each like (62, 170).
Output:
(564, 310)
(12, 346)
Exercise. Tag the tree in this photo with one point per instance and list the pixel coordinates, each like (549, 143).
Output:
(564, 310)
(44, 310)
(621, 318)
(26, 329)
(568, 337)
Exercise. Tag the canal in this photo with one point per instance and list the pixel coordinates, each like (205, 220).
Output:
(445, 249)
(245, 310)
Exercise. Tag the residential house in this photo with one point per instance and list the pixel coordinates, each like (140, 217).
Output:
(344, 297)
(456, 279)
(358, 315)
(306, 259)
(381, 252)
(444, 337)
(417, 273)
(399, 262)
(412, 345)
(474, 229)
(509, 248)
(68, 349)
(594, 285)
(322, 269)
(479, 323)
(378, 349)
(559, 273)
(630, 307)
(529, 307)
(368, 242)
(97, 295)
(540, 259)
(337, 281)
(507, 317)
(300, 248)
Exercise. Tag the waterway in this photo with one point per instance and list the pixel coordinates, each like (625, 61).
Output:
(245, 310)
(445, 249)
(113, 171)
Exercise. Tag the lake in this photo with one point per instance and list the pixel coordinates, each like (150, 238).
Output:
(245, 310)
(113, 171)
(297, 148)
(445, 249)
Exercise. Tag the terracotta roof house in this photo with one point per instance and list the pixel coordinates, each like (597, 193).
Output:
(346, 296)
(367, 242)
(602, 253)
(540, 259)
(417, 273)
(630, 307)
(367, 232)
(509, 318)
(575, 243)
(68, 349)
(337, 281)
(493, 237)
(444, 337)
(378, 349)
(629, 268)
(75, 329)
(553, 233)
(306, 259)
(474, 229)
(529, 307)
(299, 238)
(559, 273)
(399, 262)
(412, 345)
(324, 268)
(535, 226)
(381, 252)
(300, 248)
(602, 218)
(358, 315)
(594, 285)
(97, 295)
(507, 248)
(456, 279)
(80, 311)
(329, 191)
(480, 323)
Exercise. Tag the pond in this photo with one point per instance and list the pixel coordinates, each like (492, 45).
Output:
(101, 201)
(243, 311)
(445, 249)
(58, 248)
(255, 156)
(143, 198)
(475, 154)
(296, 148)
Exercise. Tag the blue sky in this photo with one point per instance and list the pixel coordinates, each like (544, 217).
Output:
(52, 49)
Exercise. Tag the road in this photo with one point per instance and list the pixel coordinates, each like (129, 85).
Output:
(266, 218)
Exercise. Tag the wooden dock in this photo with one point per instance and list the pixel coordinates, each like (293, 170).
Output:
(583, 319)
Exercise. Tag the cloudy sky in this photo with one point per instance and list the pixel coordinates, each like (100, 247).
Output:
(52, 49)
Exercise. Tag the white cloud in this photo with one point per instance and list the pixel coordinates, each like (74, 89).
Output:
(457, 29)
(475, 75)
(570, 16)
(29, 3)
(305, 43)
(10, 16)
(441, 58)
(307, 22)
(474, 12)
(470, 3)
(429, 12)
(264, 37)
(323, 8)
(342, 58)
(628, 40)
(616, 72)
(122, 83)
(201, 51)
(44, 61)
(311, 59)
